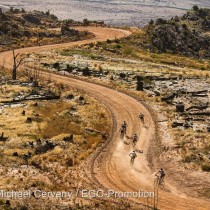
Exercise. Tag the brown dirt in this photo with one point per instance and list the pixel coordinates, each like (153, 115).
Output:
(110, 166)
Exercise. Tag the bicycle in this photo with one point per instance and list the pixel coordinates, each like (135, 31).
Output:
(122, 133)
(141, 117)
(135, 142)
(133, 157)
(159, 182)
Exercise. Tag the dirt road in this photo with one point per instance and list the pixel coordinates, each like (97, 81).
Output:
(112, 167)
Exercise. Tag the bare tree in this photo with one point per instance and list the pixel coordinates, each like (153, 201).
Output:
(16, 64)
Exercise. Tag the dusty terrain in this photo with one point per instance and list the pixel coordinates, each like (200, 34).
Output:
(37, 150)
(110, 166)
(19, 29)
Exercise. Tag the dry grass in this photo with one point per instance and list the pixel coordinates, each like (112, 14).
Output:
(57, 168)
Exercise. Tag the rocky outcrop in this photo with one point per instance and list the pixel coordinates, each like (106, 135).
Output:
(184, 35)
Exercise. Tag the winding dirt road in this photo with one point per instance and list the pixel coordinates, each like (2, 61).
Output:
(111, 167)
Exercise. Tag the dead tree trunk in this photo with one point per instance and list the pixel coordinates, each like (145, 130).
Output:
(16, 64)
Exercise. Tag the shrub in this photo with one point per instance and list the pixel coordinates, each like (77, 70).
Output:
(151, 22)
(206, 168)
(86, 22)
(108, 41)
(160, 21)
(195, 8)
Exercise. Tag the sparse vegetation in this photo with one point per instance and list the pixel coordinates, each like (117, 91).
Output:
(54, 143)
(206, 168)
(61, 134)
(19, 28)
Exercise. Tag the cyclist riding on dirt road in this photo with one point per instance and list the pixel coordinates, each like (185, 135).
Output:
(141, 116)
(135, 139)
(122, 132)
(160, 174)
(133, 155)
(124, 126)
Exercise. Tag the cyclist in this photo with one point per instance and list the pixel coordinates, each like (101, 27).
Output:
(160, 174)
(124, 126)
(122, 132)
(141, 116)
(133, 156)
(135, 139)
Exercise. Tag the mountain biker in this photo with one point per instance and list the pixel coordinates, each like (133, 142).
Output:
(133, 156)
(141, 116)
(122, 131)
(160, 174)
(135, 139)
(124, 126)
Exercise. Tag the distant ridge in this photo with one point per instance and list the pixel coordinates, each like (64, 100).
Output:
(4, 8)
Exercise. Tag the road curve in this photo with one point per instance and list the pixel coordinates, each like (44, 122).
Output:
(101, 34)
(112, 167)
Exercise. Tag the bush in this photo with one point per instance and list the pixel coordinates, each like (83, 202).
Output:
(160, 21)
(195, 8)
(108, 41)
(117, 41)
(86, 22)
(118, 46)
(187, 159)
(206, 168)
(151, 22)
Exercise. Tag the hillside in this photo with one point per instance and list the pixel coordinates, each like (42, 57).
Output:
(187, 35)
(19, 28)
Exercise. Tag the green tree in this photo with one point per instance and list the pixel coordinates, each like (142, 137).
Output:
(195, 8)
(86, 22)
(151, 22)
